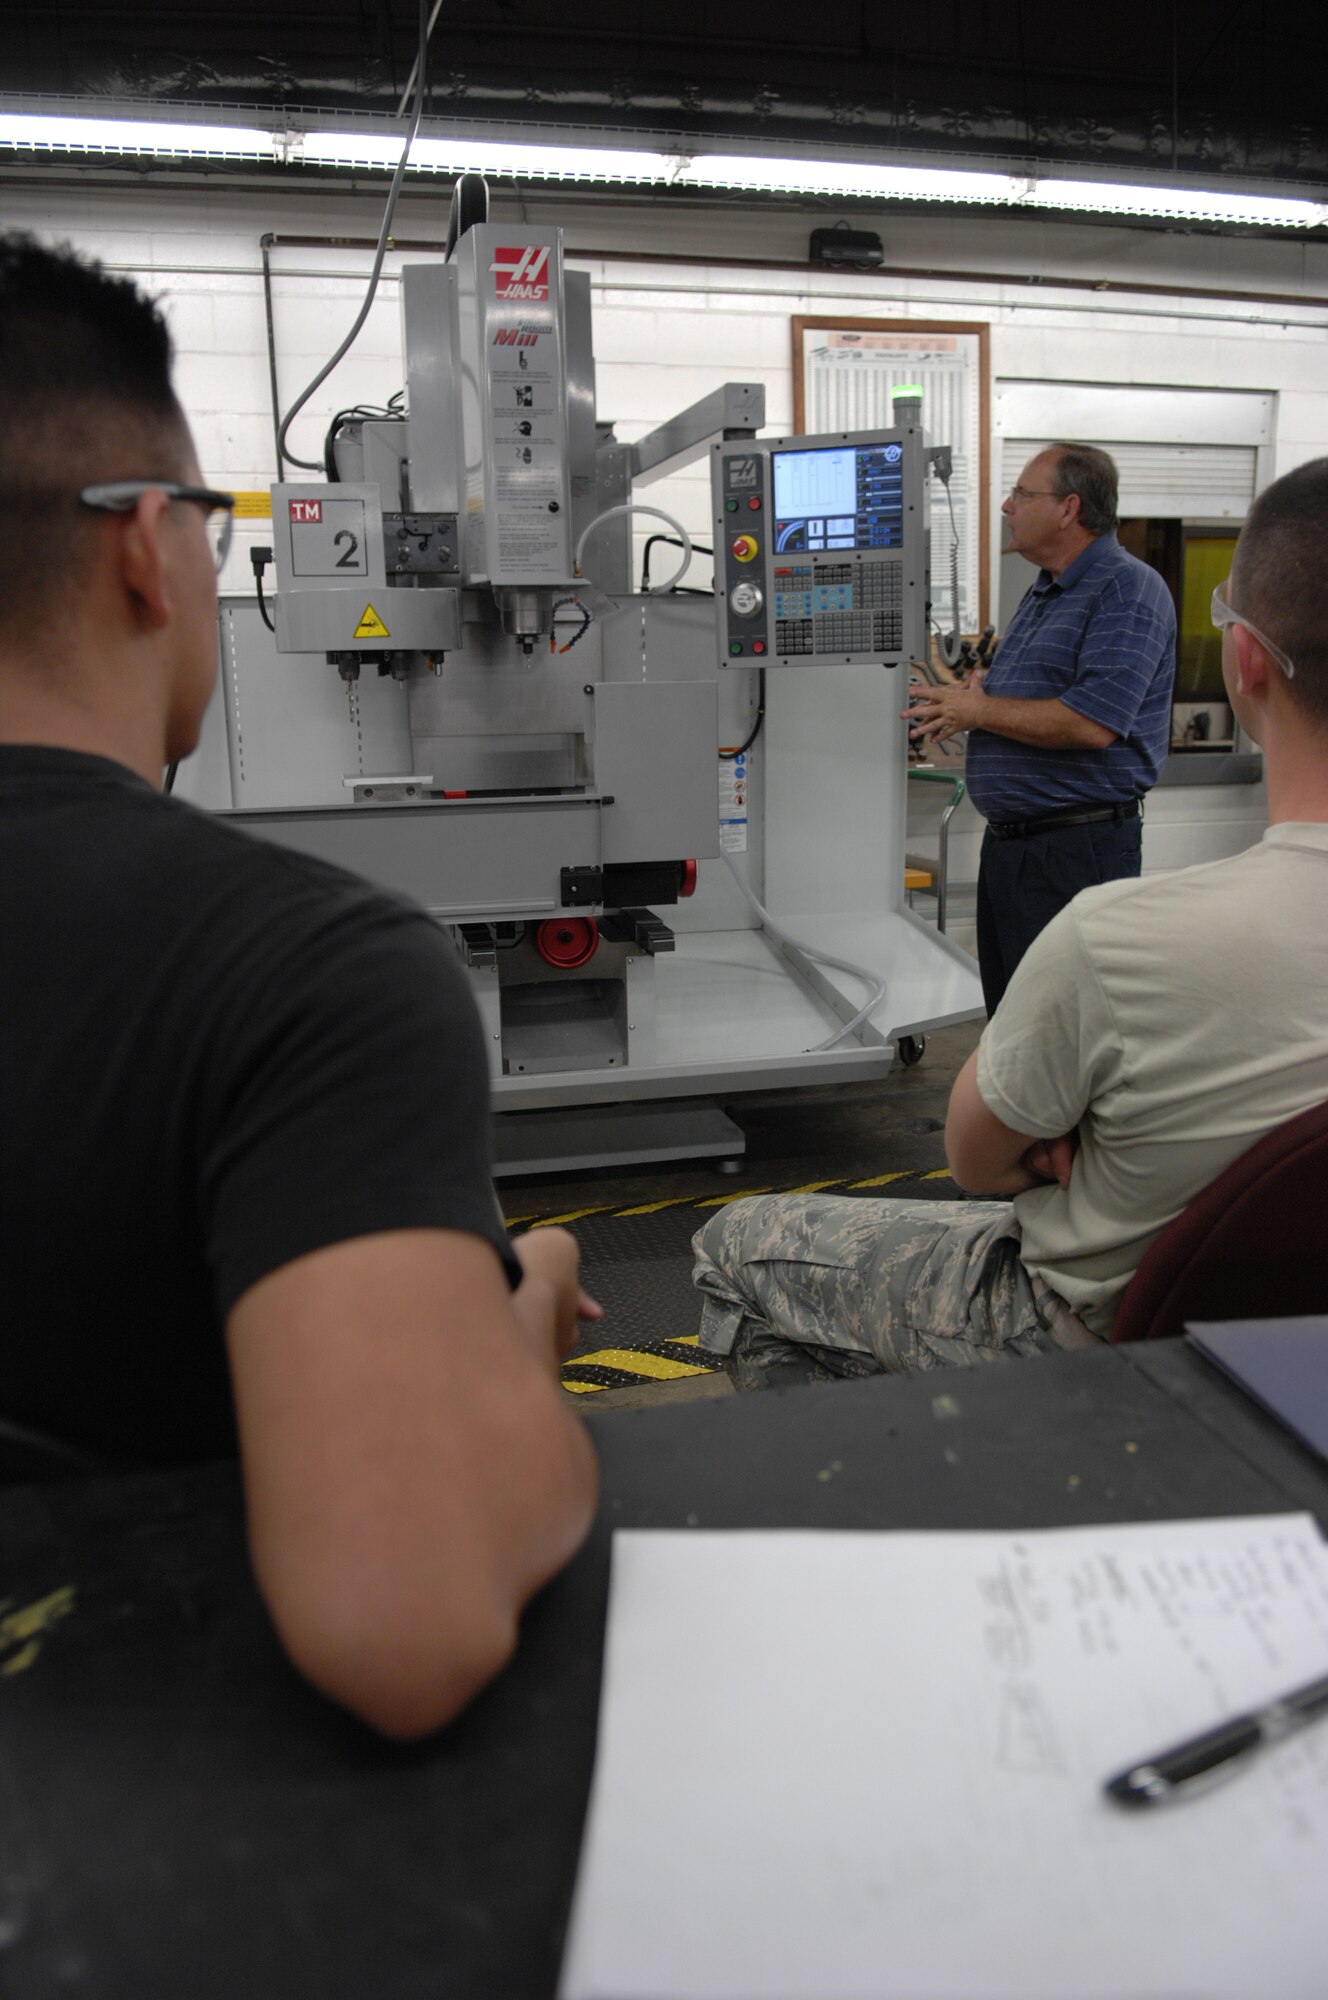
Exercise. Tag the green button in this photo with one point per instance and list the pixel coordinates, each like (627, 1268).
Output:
(731, 506)
(735, 645)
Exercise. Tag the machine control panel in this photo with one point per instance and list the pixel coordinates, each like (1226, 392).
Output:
(742, 495)
(821, 549)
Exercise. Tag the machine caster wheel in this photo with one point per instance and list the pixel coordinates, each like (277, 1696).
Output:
(911, 1049)
(730, 1166)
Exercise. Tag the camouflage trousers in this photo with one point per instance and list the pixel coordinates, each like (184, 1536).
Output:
(815, 1286)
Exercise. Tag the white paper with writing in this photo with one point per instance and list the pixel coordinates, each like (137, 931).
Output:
(838, 1764)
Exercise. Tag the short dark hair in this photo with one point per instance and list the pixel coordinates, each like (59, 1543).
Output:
(85, 395)
(1279, 580)
(1090, 472)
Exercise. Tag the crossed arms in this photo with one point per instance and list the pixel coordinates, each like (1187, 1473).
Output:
(986, 1157)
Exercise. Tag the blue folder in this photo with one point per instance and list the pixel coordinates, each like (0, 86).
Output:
(1281, 1363)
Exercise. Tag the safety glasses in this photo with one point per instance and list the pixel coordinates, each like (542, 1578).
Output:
(121, 496)
(1223, 615)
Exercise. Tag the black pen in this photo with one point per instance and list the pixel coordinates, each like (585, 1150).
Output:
(1216, 1753)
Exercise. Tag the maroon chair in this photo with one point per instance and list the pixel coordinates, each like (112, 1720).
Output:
(1253, 1245)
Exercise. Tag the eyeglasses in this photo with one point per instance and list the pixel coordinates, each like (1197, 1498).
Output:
(1223, 615)
(121, 496)
(1018, 493)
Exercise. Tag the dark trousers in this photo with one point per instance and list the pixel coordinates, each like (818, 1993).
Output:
(1023, 883)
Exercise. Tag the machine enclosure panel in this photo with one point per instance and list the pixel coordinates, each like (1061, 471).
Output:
(463, 860)
(332, 588)
(514, 406)
(429, 341)
(654, 758)
(387, 620)
(325, 534)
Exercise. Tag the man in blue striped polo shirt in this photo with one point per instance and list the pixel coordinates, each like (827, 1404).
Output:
(1069, 727)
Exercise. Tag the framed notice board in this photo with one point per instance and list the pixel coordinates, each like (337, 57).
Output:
(843, 373)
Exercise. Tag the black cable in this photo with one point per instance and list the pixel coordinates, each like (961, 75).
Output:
(729, 755)
(698, 549)
(386, 413)
(260, 558)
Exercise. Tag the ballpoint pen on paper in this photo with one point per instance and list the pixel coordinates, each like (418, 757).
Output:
(1216, 1753)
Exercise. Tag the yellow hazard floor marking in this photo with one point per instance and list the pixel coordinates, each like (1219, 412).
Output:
(723, 1200)
(572, 1215)
(643, 1365)
(371, 626)
(548, 1221)
(25, 1628)
(719, 1200)
(636, 1361)
(681, 1200)
(653, 1207)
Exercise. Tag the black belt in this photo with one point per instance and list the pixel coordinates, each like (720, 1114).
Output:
(1019, 829)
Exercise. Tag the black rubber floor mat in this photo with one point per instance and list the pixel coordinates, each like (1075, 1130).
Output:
(637, 1261)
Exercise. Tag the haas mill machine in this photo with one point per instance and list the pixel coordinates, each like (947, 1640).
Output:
(466, 699)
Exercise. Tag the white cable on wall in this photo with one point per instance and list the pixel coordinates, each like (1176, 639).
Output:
(822, 958)
(656, 513)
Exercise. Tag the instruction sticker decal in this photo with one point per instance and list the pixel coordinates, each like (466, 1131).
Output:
(733, 805)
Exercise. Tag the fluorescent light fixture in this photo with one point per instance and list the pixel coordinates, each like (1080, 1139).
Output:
(521, 159)
(840, 177)
(624, 166)
(1179, 204)
(889, 183)
(163, 138)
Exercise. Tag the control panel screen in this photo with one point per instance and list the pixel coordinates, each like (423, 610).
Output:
(839, 497)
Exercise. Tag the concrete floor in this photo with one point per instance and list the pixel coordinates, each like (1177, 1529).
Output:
(850, 1131)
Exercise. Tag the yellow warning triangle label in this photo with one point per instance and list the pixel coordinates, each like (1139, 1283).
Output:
(371, 626)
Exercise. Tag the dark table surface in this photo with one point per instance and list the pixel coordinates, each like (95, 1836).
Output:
(180, 1818)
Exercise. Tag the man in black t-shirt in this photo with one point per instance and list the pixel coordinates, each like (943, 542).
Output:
(244, 1178)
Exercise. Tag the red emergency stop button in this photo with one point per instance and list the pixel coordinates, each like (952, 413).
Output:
(744, 548)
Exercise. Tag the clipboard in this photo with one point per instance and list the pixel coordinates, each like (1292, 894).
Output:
(1281, 1363)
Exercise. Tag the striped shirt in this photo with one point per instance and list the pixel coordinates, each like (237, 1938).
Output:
(1101, 638)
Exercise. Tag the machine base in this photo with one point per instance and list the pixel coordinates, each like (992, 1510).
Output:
(625, 1135)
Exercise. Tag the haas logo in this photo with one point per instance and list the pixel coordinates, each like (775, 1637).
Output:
(522, 273)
